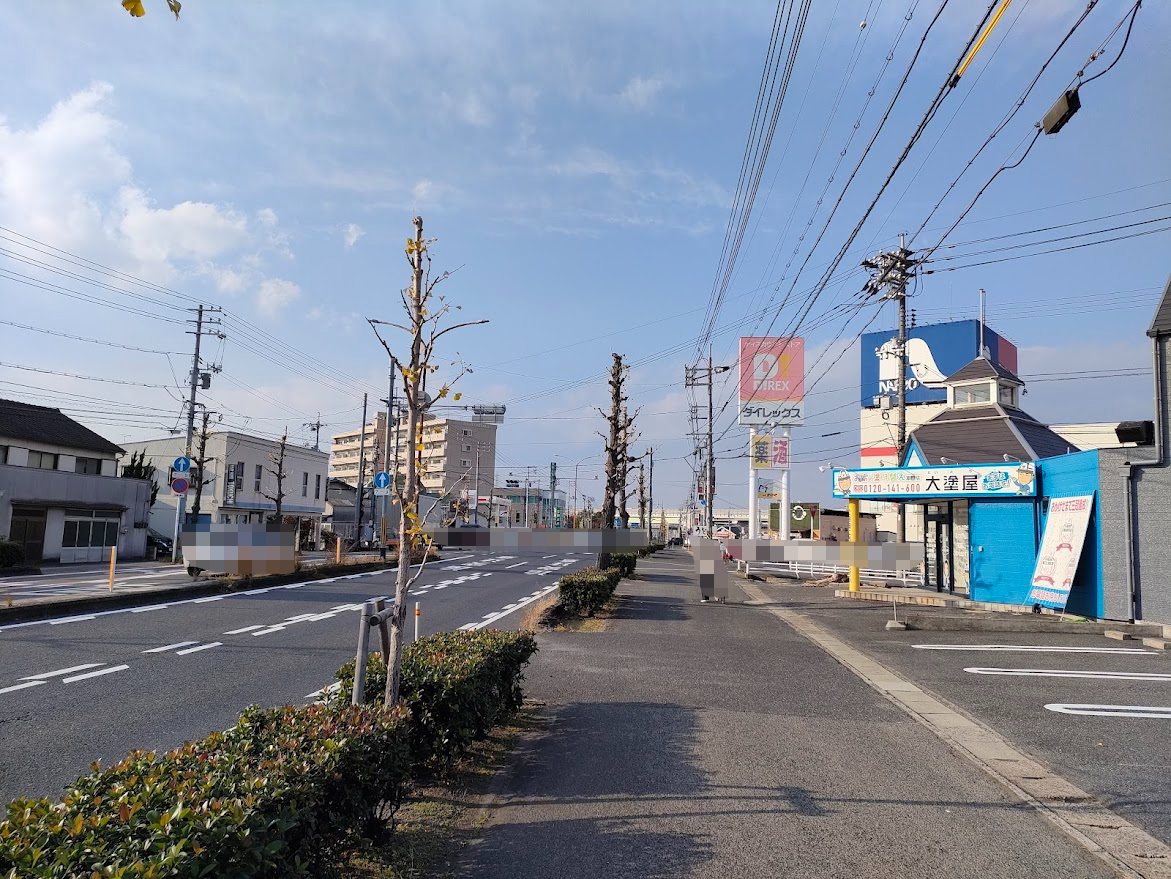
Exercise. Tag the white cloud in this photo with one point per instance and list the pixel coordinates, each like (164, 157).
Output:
(267, 217)
(640, 92)
(470, 108)
(352, 233)
(192, 231)
(275, 294)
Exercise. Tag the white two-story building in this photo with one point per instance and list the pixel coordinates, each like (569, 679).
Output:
(61, 497)
(239, 482)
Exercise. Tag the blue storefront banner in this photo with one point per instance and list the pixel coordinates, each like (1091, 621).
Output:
(1018, 479)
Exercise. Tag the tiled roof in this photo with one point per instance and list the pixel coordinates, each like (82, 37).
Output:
(40, 424)
(981, 434)
(982, 368)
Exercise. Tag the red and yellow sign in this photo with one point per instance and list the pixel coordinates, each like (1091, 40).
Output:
(772, 380)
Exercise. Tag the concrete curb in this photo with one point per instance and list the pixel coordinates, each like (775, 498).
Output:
(1124, 847)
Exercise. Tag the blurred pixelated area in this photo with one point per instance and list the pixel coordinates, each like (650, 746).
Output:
(240, 550)
(603, 540)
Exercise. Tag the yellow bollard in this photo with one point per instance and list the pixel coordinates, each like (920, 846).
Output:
(337, 550)
(855, 574)
(113, 560)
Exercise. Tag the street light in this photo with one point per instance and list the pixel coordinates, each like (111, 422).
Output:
(575, 468)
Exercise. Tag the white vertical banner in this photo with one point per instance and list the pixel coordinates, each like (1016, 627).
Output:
(786, 524)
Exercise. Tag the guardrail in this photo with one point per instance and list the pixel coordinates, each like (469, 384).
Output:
(813, 570)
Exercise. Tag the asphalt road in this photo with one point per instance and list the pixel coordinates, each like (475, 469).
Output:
(1123, 760)
(94, 686)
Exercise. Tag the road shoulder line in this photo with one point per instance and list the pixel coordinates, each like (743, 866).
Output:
(1125, 847)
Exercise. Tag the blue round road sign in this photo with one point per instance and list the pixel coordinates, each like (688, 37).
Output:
(382, 480)
(179, 485)
(181, 465)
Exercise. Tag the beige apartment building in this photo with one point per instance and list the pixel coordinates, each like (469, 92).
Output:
(454, 453)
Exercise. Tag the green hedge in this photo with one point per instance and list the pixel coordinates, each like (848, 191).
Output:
(583, 593)
(11, 554)
(458, 685)
(624, 563)
(282, 793)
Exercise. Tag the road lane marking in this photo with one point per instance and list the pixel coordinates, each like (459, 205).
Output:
(1063, 673)
(152, 607)
(498, 615)
(243, 630)
(177, 644)
(200, 647)
(16, 687)
(62, 671)
(95, 674)
(269, 630)
(517, 565)
(1140, 711)
(210, 598)
(318, 694)
(1130, 651)
(79, 619)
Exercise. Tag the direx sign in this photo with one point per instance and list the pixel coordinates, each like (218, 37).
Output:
(772, 380)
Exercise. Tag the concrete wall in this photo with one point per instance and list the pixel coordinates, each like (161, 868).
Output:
(57, 490)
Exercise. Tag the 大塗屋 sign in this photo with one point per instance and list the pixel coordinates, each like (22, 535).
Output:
(770, 452)
(1061, 547)
(1018, 479)
(772, 380)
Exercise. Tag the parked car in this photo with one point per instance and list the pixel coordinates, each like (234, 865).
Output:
(159, 541)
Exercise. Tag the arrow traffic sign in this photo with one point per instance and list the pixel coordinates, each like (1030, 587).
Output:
(181, 465)
(382, 480)
(179, 484)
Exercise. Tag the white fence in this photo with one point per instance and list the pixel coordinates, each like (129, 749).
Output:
(811, 570)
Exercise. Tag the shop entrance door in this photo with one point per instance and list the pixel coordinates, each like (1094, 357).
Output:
(28, 529)
(939, 570)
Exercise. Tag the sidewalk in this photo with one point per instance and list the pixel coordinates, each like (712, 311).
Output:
(701, 740)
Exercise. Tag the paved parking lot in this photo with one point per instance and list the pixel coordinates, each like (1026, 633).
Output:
(1097, 711)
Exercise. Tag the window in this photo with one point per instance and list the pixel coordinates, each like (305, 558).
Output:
(86, 528)
(467, 448)
(42, 460)
(317, 488)
(259, 473)
(977, 393)
(467, 433)
(90, 466)
(305, 486)
(3, 454)
(1008, 395)
(465, 464)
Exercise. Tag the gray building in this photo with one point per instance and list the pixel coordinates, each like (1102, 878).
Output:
(61, 497)
(1134, 501)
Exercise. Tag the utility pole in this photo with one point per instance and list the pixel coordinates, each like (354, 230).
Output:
(315, 426)
(361, 469)
(651, 483)
(476, 508)
(181, 505)
(891, 272)
(389, 401)
(698, 376)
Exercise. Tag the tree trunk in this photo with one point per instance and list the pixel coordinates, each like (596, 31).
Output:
(409, 500)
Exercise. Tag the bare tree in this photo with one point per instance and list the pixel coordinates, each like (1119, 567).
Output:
(277, 470)
(199, 468)
(425, 314)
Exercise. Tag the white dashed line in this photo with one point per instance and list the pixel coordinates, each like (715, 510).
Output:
(62, 671)
(269, 630)
(200, 647)
(243, 630)
(16, 687)
(1141, 711)
(1063, 673)
(209, 598)
(174, 646)
(88, 616)
(95, 674)
(154, 607)
(1133, 651)
(517, 565)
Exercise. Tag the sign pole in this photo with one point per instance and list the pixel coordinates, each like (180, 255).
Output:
(753, 487)
(786, 511)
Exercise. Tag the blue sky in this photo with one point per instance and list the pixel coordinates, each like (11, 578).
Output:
(577, 162)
